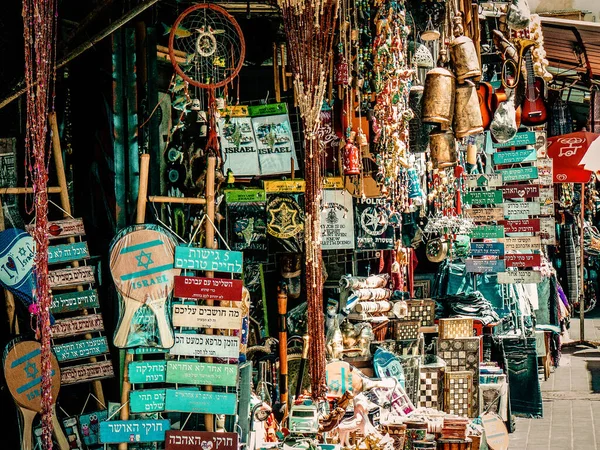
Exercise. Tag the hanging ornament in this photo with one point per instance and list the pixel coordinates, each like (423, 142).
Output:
(351, 157)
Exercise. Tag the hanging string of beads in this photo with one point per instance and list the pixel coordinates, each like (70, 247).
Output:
(308, 26)
(39, 26)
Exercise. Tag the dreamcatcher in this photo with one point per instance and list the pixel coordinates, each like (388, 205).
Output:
(214, 49)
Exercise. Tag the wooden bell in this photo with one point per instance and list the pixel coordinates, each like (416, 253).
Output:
(438, 97)
(467, 113)
(463, 54)
(442, 148)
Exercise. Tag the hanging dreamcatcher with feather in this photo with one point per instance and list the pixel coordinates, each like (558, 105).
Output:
(207, 48)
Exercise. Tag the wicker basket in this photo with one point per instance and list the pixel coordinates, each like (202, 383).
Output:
(455, 328)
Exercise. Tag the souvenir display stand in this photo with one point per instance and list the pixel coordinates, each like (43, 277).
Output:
(382, 257)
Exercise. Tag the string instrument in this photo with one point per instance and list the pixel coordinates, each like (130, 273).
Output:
(485, 92)
(534, 111)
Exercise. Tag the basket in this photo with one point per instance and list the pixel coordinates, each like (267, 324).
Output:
(457, 327)
(421, 310)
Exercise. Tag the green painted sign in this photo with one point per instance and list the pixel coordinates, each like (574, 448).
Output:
(74, 301)
(482, 180)
(81, 349)
(183, 400)
(487, 232)
(68, 252)
(146, 350)
(147, 400)
(245, 195)
(133, 431)
(267, 110)
(483, 198)
(191, 371)
(519, 174)
(515, 156)
(147, 371)
(197, 258)
(520, 140)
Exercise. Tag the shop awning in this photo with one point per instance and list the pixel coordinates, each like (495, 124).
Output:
(573, 45)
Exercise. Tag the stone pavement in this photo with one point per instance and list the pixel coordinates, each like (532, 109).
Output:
(571, 400)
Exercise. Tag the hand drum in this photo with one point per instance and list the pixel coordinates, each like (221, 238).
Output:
(142, 267)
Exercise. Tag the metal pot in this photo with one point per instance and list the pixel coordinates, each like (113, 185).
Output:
(464, 58)
(467, 112)
(438, 97)
(442, 148)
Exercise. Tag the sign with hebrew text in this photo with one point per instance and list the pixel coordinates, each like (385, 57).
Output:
(77, 325)
(147, 371)
(68, 252)
(199, 373)
(197, 316)
(184, 400)
(147, 400)
(208, 288)
(193, 440)
(197, 345)
(196, 258)
(74, 301)
(132, 431)
(73, 276)
(86, 348)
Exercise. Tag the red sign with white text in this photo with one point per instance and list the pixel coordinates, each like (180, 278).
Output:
(521, 260)
(521, 226)
(221, 289)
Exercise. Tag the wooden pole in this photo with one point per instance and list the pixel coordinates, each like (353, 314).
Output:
(209, 419)
(184, 200)
(66, 206)
(85, 46)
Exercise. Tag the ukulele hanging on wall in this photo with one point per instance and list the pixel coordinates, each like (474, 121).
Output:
(533, 109)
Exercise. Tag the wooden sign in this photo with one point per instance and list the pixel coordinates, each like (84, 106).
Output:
(520, 276)
(245, 195)
(68, 252)
(147, 371)
(520, 140)
(131, 431)
(521, 226)
(487, 248)
(86, 372)
(522, 243)
(73, 276)
(520, 191)
(196, 258)
(487, 232)
(522, 261)
(284, 186)
(62, 228)
(77, 325)
(483, 180)
(547, 201)
(519, 174)
(545, 171)
(74, 301)
(194, 440)
(485, 214)
(208, 288)
(333, 183)
(483, 198)
(146, 400)
(192, 401)
(518, 209)
(198, 345)
(547, 231)
(196, 316)
(198, 373)
(515, 156)
(484, 265)
(86, 348)
(147, 350)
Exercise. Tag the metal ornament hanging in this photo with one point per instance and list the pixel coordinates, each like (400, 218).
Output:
(438, 97)
(442, 149)
(423, 58)
(467, 113)
(430, 33)
(418, 132)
